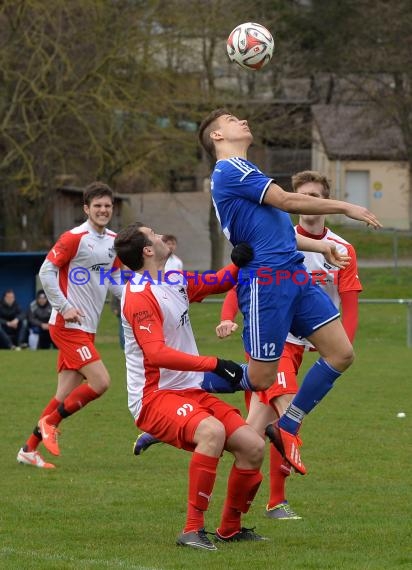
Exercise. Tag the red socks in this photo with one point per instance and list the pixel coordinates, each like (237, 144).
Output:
(56, 411)
(35, 438)
(202, 475)
(242, 487)
(277, 478)
(76, 400)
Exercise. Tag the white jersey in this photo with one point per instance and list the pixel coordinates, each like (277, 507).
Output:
(81, 258)
(156, 324)
(332, 280)
(173, 263)
(158, 306)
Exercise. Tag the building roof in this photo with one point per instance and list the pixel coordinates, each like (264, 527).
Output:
(357, 132)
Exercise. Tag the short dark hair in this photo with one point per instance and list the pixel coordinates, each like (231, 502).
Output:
(169, 237)
(305, 176)
(206, 127)
(129, 244)
(8, 291)
(96, 190)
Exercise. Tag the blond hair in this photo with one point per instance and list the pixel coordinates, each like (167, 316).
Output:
(305, 176)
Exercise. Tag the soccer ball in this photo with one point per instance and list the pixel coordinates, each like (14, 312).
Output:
(250, 45)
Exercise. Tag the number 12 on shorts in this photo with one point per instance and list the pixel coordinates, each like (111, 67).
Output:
(269, 349)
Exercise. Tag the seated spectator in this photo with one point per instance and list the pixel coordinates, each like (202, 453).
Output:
(173, 263)
(13, 323)
(38, 317)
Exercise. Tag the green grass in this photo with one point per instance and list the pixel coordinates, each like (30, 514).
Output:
(104, 508)
(386, 283)
(372, 244)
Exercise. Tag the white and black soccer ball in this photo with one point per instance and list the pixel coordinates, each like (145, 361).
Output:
(250, 45)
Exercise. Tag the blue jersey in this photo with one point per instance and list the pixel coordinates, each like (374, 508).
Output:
(238, 189)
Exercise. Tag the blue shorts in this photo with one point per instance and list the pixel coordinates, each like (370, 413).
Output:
(282, 301)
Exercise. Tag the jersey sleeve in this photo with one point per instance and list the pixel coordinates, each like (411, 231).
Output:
(211, 283)
(50, 282)
(350, 310)
(64, 249)
(348, 279)
(242, 179)
(116, 283)
(230, 306)
(145, 316)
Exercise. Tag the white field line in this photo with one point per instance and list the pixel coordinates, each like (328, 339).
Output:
(80, 562)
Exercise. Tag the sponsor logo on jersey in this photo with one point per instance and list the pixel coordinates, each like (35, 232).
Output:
(184, 319)
(182, 291)
(98, 266)
(143, 316)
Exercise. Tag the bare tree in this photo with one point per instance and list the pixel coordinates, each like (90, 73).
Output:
(357, 52)
(113, 90)
(84, 93)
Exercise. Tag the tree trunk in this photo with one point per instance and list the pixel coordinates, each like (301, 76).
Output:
(217, 240)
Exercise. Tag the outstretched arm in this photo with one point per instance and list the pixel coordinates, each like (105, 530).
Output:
(145, 316)
(211, 282)
(349, 306)
(227, 315)
(303, 204)
(327, 249)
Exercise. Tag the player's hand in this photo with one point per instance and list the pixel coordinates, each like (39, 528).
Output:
(226, 328)
(229, 370)
(242, 254)
(73, 316)
(332, 256)
(363, 214)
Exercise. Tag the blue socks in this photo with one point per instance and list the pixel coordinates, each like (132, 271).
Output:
(214, 383)
(245, 384)
(316, 384)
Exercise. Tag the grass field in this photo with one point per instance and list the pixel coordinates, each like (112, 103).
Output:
(104, 508)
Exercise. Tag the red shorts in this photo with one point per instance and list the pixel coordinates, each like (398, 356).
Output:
(76, 348)
(173, 415)
(286, 378)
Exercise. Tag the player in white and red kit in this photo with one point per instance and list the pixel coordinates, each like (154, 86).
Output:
(75, 278)
(164, 377)
(343, 287)
(173, 263)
